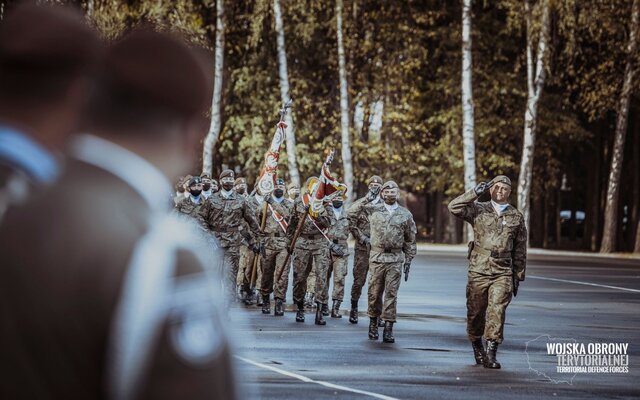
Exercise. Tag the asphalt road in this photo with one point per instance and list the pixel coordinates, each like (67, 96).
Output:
(569, 299)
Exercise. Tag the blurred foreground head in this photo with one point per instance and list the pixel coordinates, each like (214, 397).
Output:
(152, 99)
(48, 56)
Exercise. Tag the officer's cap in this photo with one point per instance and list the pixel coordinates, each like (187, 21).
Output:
(240, 181)
(195, 180)
(390, 185)
(226, 173)
(205, 176)
(374, 179)
(501, 179)
(279, 182)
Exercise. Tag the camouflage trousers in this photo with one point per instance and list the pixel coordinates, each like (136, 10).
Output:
(311, 280)
(303, 261)
(247, 258)
(273, 267)
(337, 267)
(230, 268)
(384, 279)
(487, 299)
(360, 269)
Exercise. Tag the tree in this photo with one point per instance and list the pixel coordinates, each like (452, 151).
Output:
(535, 83)
(285, 95)
(468, 137)
(613, 189)
(344, 107)
(214, 129)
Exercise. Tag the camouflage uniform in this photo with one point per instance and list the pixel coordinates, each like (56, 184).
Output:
(359, 223)
(247, 256)
(310, 248)
(393, 244)
(224, 216)
(339, 233)
(499, 251)
(275, 252)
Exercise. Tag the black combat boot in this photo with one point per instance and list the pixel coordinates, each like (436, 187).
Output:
(335, 310)
(380, 323)
(320, 314)
(478, 351)
(279, 310)
(353, 315)
(373, 328)
(325, 310)
(490, 361)
(387, 334)
(300, 312)
(248, 296)
(266, 305)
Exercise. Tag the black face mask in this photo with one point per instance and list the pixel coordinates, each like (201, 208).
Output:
(206, 187)
(195, 192)
(278, 193)
(227, 186)
(337, 204)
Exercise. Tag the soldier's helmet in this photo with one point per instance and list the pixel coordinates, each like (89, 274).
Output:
(205, 176)
(226, 173)
(195, 180)
(501, 179)
(292, 185)
(390, 185)
(280, 182)
(374, 179)
(240, 181)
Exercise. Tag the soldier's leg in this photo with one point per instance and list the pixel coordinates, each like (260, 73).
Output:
(268, 262)
(311, 280)
(500, 293)
(391, 285)
(340, 269)
(330, 271)
(282, 271)
(321, 263)
(244, 250)
(301, 269)
(360, 268)
(477, 300)
(231, 261)
(376, 289)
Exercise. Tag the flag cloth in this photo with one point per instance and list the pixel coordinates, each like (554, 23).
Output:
(266, 181)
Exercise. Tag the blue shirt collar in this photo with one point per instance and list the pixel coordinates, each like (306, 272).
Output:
(23, 153)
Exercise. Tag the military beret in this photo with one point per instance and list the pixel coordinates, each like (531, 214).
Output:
(205, 176)
(292, 185)
(501, 179)
(390, 185)
(195, 180)
(240, 181)
(374, 179)
(279, 181)
(226, 173)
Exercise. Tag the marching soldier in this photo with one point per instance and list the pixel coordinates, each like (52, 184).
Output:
(393, 246)
(359, 224)
(191, 205)
(339, 233)
(248, 257)
(311, 247)
(497, 262)
(240, 186)
(275, 250)
(206, 185)
(224, 213)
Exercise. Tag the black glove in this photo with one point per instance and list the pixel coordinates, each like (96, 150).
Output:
(365, 240)
(263, 250)
(407, 266)
(268, 199)
(516, 285)
(481, 188)
(255, 248)
(337, 250)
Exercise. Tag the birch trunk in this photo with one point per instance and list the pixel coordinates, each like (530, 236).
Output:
(344, 108)
(535, 83)
(292, 158)
(214, 129)
(468, 124)
(609, 234)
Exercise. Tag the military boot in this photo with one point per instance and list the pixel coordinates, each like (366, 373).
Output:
(335, 310)
(478, 351)
(300, 312)
(278, 310)
(373, 328)
(325, 310)
(490, 361)
(320, 314)
(259, 299)
(387, 334)
(248, 296)
(266, 305)
(380, 323)
(353, 314)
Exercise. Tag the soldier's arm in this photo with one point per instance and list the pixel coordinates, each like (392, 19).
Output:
(353, 214)
(205, 214)
(464, 206)
(519, 253)
(409, 246)
(250, 216)
(325, 218)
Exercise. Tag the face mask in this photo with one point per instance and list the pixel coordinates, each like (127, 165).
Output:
(390, 199)
(206, 187)
(375, 190)
(195, 192)
(337, 204)
(278, 193)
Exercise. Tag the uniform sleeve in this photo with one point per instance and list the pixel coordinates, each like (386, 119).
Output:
(464, 206)
(353, 215)
(294, 219)
(327, 217)
(409, 246)
(205, 213)
(249, 215)
(519, 254)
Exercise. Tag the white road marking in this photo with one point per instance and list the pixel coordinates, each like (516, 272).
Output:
(585, 283)
(309, 380)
